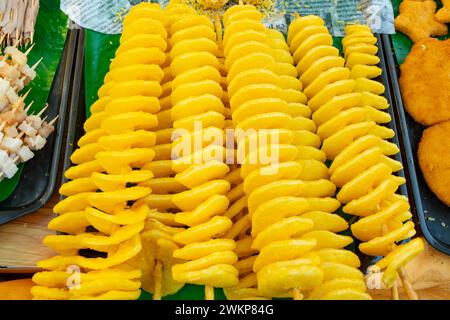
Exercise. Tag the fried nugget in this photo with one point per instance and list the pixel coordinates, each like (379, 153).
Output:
(417, 20)
(425, 81)
(443, 14)
(434, 159)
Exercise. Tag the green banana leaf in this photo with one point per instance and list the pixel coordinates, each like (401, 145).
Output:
(402, 44)
(50, 35)
(99, 50)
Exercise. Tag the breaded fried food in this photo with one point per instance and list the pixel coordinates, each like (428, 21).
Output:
(425, 81)
(417, 20)
(443, 14)
(434, 159)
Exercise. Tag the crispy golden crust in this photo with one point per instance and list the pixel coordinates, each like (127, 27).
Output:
(417, 20)
(424, 81)
(443, 14)
(434, 159)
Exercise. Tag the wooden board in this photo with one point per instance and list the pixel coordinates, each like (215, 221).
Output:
(21, 240)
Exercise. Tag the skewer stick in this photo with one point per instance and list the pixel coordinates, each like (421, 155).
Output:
(29, 49)
(2, 38)
(209, 293)
(296, 294)
(17, 104)
(394, 292)
(219, 30)
(37, 63)
(394, 289)
(410, 292)
(43, 110)
(157, 274)
(29, 106)
(26, 94)
(54, 120)
(16, 44)
(32, 36)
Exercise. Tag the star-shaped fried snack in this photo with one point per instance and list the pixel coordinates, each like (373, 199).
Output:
(443, 14)
(417, 21)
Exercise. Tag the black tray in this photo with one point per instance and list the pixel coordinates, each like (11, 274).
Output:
(434, 215)
(77, 113)
(38, 179)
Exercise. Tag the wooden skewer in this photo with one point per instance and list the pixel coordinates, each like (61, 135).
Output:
(26, 94)
(23, 78)
(157, 276)
(29, 49)
(32, 35)
(17, 42)
(18, 104)
(296, 294)
(394, 292)
(410, 292)
(29, 106)
(54, 120)
(2, 38)
(11, 15)
(394, 289)
(209, 293)
(43, 110)
(219, 30)
(37, 63)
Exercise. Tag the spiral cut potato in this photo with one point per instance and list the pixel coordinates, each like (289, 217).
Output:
(342, 279)
(110, 176)
(267, 103)
(161, 225)
(384, 215)
(198, 116)
(347, 109)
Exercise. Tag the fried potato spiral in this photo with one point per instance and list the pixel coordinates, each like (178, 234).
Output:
(109, 178)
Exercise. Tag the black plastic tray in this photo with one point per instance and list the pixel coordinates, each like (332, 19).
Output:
(39, 176)
(77, 113)
(434, 215)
